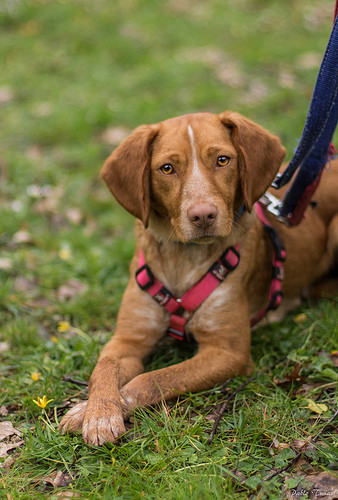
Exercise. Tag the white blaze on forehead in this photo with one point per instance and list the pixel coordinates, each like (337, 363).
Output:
(196, 170)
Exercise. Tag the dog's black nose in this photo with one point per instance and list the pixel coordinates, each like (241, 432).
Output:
(202, 215)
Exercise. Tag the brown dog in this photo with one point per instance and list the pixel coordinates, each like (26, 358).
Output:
(186, 180)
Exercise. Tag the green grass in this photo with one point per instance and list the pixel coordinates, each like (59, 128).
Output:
(70, 71)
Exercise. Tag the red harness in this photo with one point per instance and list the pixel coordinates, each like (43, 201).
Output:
(279, 256)
(216, 274)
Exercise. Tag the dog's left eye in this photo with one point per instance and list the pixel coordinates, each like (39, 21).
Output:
(167, 169)
(223, 161)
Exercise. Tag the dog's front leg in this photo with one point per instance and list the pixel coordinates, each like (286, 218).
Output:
(215, 361)
(102, 416)
(138, 330)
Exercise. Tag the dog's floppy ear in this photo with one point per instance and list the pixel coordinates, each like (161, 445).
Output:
(126, 172)
(260, 155)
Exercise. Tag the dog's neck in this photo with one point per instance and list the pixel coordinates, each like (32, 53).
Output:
(180, 265)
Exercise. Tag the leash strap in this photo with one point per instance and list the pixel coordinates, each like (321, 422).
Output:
(314, 149)
(194, 297)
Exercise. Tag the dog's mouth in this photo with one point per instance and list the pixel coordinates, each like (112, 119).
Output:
(199, 236)
(172, 229)
(204, 240)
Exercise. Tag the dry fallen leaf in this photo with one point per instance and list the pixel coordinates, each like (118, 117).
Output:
(34, 152)
(115, 135)
(3, 411)
(74, 215)
(241, 478)
(211, 417)
(301, 444)
(71, 289)
(67, 494)
(227, 69)
(334, 357)
(47, 205)
(36, 191)
(294, 375)
(39, 303)
(324, 485)
(47, 199)
(4, 346)
(42, 109)
(62, 495)
(302, 466)
(7, 464)
(286, 79)
(257, 92)
(309, 60)
(308, 387)
(5, 448)
(5, 263)
(22, 284)
(7, 429)
(6, 95)
(22, 237)
(276, 446)
(59, 479)
(315, 486)
(316, 407)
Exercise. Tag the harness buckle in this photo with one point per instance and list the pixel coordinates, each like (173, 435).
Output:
(176, 334)
(177, 327)
(219, 270)
(278, 273)
(144, 285)
(227, 262)
(230, 258)
(163, 296)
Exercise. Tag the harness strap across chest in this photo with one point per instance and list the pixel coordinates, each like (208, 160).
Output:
(194, 297)
(215, 275)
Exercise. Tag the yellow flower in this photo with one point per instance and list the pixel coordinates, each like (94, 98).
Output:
(63, 326)
(35, 376)
(65, 253)
(42, 402)
(54, 339)
(300, 318)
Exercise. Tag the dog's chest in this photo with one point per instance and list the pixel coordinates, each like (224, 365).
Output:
(179, 270)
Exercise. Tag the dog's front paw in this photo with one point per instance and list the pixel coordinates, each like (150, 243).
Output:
(103, 422)
(73, 419)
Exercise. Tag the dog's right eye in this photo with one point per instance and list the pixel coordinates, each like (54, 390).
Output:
(223, 161)
(167, 169)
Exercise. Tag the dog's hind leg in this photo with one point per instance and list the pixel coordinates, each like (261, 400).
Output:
(327, 285)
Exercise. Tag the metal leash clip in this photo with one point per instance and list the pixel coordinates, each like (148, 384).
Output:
(271, 203)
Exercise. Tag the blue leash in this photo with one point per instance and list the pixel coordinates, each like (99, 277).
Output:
(313, 150)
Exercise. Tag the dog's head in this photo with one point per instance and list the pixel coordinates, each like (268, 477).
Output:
(187, 177)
